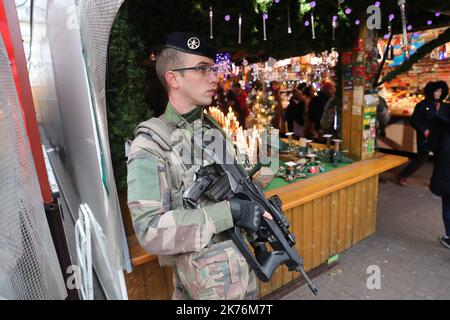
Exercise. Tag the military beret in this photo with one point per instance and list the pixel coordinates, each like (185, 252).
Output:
(189, 42)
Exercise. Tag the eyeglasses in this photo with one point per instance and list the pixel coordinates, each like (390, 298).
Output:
(205, 70)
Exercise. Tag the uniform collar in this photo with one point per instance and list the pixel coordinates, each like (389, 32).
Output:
(174, 118)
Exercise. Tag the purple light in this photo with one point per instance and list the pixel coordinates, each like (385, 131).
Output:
(386, 36)
(377, 4)
(334, 18)
(416, 34)
(348, 11)
(265, 16)
(409, 27)
(312, 4)
(357, 22)
(437, 14)
(306, 23)
(276, 1)
(429, 22)
(227, 17)
(391, 17)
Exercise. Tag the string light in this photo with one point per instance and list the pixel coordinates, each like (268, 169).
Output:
(211, 23)
(265, 16)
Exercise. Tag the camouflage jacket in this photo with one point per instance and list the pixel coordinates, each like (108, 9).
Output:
(157, 178)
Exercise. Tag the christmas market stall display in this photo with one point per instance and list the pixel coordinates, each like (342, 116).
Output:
(403, 92)
(329, 189)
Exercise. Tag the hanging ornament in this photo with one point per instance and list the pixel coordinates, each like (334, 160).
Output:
(289, 19)
(211, 23)
(312, 4)
(313, 29)
(334, 25)
(401, 4)
(240, 28)
(264, 16)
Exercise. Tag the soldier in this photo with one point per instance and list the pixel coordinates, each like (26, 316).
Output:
(206, 263)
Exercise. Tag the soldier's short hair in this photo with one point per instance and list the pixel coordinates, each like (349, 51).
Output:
(168, 59)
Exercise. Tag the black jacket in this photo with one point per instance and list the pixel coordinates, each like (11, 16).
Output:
(316, 108)
(439, 142)
(295, 111)
(421, 121)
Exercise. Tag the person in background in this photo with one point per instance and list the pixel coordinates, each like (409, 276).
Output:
(421, 121)
(308, 94)
(317, 105)
(295, 113)
(277, 121)
(237, 100)
(439, 144)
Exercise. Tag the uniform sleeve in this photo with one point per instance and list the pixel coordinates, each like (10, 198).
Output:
(160, 230)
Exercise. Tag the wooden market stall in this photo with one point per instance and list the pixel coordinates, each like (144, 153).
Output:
(328, 213)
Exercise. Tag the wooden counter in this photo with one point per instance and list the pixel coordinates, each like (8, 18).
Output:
(328, 214)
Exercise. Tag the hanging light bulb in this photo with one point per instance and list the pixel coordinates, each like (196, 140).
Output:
(401, 4)
(211, 23)
(240, 28)
(312, 4)
(289, 19)
(313, 29)
(264, 16)
(334, 25)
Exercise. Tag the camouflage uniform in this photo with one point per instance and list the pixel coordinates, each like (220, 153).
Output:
(207, 264)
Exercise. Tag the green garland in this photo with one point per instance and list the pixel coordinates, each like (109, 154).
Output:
(126, 88)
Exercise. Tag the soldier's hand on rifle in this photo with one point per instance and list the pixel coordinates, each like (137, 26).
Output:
(247, 214)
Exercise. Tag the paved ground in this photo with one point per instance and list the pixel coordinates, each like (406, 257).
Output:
(405, 247)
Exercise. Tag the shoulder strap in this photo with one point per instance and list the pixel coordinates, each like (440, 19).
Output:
(158, 130)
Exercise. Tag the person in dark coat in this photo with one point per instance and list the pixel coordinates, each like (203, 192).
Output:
(421, 121)
(318, 103)
(295, 113)
(439, 144)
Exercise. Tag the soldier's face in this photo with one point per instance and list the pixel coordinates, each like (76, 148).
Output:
(197, 86)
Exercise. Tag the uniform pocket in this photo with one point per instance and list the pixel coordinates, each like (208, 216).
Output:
(218, 272)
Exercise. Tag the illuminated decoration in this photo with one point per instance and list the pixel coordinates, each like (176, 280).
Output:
(401, 4)
(240, 28)
(289, 20)
(264, 16)
(357, 22)
(263, 106)
(227, 18)
(348, 11)
(313, 28)
(377, 4)
(306, 23)
(429, 22)
(391, 17)
(247, 141)
(223, 62)
(437, 14)
(409, 27)
(334, 25)
(211, 36)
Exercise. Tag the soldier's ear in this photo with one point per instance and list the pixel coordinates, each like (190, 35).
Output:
(172, 79)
